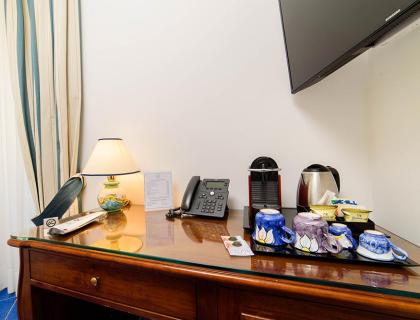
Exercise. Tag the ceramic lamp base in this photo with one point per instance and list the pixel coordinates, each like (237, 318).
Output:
(112, 197)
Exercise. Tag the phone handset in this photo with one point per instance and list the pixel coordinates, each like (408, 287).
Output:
(187, 199)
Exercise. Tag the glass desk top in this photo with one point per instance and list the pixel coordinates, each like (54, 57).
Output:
(197, 241)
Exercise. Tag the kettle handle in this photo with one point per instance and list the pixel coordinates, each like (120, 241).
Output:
(336, 176)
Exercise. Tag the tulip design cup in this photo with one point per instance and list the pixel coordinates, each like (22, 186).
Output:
(270, 229)
(312, 234)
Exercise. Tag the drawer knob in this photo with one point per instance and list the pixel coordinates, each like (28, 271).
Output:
(94, 281)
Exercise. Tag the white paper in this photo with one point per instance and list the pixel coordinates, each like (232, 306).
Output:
(157, 190)
(237, 246)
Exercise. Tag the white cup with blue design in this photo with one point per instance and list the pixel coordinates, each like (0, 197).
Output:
(375, 245)
(343, 235)
(270, 228)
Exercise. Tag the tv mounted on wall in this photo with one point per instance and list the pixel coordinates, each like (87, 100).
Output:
(323, 35)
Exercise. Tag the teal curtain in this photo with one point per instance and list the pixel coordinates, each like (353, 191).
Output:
(43, 42)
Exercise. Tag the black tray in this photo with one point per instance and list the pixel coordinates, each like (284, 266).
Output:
(345, 256)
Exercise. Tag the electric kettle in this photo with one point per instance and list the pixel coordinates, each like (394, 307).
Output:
(314, 182)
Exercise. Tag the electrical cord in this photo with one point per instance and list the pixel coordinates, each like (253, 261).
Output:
(175, 213)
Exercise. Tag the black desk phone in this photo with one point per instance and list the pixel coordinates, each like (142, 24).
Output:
(207, 197)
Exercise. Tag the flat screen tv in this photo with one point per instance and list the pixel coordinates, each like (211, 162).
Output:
(323, 35)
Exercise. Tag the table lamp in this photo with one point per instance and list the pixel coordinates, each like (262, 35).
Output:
(110, 158)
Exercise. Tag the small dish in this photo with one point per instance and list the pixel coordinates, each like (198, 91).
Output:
(356, 214)
(327, 212)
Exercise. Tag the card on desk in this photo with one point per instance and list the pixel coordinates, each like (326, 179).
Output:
(157, 190)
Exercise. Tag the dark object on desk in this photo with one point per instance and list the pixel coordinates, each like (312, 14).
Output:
(264, 184)
(62, 200)
(203, 198)
(315, 181)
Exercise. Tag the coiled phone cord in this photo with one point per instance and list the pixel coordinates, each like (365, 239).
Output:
(175, 213)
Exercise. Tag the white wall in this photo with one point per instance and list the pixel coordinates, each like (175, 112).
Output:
(202, 88)
(394, 101)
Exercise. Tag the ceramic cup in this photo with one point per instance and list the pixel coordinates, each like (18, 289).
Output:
(375, 245)
(343, 235)
(270, 228)
(312, 234)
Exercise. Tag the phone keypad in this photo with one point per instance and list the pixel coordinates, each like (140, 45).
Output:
(215, 205)
(211, 202)
(208, 206)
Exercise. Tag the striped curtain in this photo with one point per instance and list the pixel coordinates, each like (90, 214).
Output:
(43, 42)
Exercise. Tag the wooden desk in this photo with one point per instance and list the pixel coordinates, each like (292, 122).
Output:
(181, 270)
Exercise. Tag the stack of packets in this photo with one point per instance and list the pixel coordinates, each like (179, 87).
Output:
(237, 246)
(330, 198)
(343, 203)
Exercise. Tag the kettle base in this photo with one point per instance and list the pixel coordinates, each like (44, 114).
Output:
(303, 208)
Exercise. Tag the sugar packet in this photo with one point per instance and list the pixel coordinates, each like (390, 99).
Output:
(237, 246)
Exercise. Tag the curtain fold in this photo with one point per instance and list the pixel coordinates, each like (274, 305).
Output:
(17, 205)
(43, 42)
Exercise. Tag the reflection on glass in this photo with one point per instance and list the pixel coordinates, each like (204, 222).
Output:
(382, 279)
(199, 230)
(267, 264)
(158, 231)
(319, 271)
(114, 226)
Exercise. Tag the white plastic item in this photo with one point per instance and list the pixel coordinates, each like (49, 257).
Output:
(72, 225)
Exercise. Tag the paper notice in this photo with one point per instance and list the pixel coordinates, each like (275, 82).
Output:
(157, 190)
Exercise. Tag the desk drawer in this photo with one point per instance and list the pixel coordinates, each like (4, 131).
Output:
(128, 285)
(247, 305)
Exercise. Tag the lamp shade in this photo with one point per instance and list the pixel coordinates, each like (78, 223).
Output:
(110, 157)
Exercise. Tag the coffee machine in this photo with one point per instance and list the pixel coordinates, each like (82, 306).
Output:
(264, 182)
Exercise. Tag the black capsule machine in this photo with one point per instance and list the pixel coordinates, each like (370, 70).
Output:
(264, 183)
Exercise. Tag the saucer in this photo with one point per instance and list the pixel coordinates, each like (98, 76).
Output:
(375, 256)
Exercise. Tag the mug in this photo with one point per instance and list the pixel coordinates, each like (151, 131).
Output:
(344, 236)
(312, 234)
(375, 245)
(270, 228)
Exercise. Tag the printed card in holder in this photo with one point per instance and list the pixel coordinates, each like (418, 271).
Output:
(237, 246)
(157, 190)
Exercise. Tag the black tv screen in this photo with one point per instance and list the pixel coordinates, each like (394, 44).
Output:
(323, 35)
